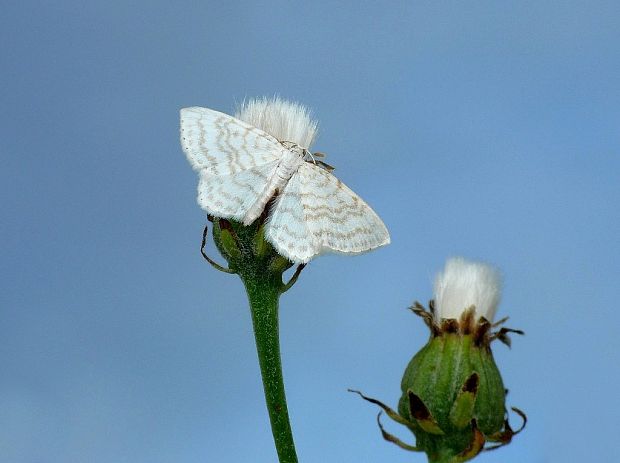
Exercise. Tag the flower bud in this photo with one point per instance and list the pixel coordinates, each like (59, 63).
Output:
(245, 249)
(453, 396)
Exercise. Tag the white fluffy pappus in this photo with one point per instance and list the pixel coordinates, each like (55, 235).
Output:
(464, 283)
(285, 120)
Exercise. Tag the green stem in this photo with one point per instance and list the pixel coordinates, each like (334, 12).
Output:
(263, 293)
(441, 459)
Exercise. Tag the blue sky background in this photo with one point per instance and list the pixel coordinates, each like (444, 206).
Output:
(483, 129)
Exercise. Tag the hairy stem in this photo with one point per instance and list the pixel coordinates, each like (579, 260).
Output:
(264, 292)
(441, 459)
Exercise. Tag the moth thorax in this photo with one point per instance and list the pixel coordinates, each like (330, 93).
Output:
(295, 148)
(289, 163)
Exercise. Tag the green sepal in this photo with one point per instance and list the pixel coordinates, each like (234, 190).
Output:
(422, 415)
(279, 264)
(229, 245)
(475, 446)
(261, 246)
(389, 412)
(462, 411)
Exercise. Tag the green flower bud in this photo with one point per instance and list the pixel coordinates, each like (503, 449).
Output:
(453, 396)
(246, 250)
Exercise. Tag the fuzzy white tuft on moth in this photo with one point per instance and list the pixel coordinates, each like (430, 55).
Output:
(464, 283)
(243, 166)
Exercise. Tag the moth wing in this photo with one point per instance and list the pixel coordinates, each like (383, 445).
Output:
(223, 145)
(317, 213)
(231, 196)
(286, 227)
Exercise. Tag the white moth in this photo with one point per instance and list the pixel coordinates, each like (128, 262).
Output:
(241, 168)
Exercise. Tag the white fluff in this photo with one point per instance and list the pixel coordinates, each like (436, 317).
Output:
(285, 120)
(464, 283)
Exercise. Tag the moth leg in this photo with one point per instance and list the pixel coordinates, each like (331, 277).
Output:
(214, 264)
